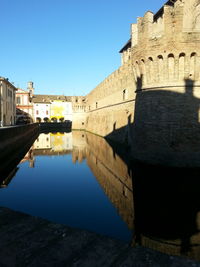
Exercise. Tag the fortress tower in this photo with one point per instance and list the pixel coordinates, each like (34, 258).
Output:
(165, 56)
(151, 103)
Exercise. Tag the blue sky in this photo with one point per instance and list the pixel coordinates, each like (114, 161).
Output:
(65, 46)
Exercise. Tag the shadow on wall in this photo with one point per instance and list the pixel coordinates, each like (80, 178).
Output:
(166, 128)
(166, 131)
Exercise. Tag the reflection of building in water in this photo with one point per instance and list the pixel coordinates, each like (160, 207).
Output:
(61, 141)
(79, 146)
(29, 157)
(173, 247)
(53, 144)
(112, 174)
(42, 142)
(110, 171)
(167, 210)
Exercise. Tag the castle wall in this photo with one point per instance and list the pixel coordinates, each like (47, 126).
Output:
(166, 120)
(78, 114)
(110, 106)
(152, 101)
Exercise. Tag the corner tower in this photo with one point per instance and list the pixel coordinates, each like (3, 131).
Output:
(165, 59)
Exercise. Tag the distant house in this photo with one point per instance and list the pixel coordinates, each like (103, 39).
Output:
(7, 102)
(41, 111)
(24, 103)
(52, 107)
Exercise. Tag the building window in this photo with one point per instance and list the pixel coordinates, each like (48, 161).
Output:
(96, 104)
(47, 112)
(37, 112)
(18, 100)
(125, 94)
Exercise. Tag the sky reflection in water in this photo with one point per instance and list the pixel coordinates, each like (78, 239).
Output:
(62, 188)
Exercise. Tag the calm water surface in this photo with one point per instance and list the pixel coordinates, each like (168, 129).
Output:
(78, 179)
(55, 181)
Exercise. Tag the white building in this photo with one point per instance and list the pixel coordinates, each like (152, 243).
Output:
(54, 107)
(41, 111)
(7, 102)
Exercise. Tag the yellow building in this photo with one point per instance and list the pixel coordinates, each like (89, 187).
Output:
(52, 107)
(61, 110)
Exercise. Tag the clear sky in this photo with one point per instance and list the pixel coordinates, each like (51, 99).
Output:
(65, 46)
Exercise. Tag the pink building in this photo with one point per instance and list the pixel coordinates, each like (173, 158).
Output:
(24, 103)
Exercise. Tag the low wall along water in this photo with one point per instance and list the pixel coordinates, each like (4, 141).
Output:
(14, 142)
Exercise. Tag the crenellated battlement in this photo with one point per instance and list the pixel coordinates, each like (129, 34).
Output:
(151, 103)
(176, 26)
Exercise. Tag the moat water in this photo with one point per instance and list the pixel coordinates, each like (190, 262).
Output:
(55, 181)
(80, 180)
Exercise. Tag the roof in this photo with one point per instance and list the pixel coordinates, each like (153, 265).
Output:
(126, 46)
(50, 98)
(6, 80)
(21, 91)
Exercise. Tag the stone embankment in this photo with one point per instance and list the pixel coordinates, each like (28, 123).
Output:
(14, 141)
(32, 241)
(55, 126)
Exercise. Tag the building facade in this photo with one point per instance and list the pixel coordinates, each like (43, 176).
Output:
(7, 102)
(41, 111)
(61, 110)
(52, 108)
(24, 104)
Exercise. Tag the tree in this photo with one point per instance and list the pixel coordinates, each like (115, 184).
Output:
(38, 119)
(54, 119)
(46, 119)
(61, 119)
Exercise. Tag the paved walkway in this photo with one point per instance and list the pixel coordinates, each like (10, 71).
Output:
(31, 241)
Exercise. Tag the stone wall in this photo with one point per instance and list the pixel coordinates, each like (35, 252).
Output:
(79, 115)
(151, 102)
(110, 106)
(13, 140)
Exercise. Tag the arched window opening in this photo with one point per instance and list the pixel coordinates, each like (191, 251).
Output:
(181, 66)
(192, 73)
(150, 69)
(160, 68)
(171, 67)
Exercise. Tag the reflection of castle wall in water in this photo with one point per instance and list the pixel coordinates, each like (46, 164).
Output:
(79, 146)
(112, 174)
(110, 171)
(173, 247)
(167, 209)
